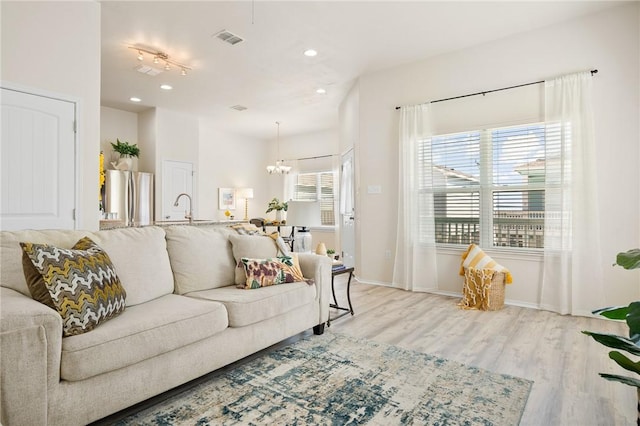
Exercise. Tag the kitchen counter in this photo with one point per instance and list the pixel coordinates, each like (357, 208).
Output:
(113, 224)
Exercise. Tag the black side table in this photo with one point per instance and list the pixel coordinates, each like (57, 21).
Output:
(334, 305)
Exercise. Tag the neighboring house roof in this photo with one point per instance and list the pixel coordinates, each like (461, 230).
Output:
(453, 173)
(535, 167)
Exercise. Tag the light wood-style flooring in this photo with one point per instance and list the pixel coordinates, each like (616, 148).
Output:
(537, 345)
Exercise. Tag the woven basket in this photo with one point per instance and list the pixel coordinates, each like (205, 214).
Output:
(490, 298)
(496, 293)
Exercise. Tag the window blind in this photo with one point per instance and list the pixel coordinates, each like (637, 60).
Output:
(317, 187)
(488, 185)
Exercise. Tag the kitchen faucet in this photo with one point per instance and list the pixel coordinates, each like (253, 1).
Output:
(189, 214)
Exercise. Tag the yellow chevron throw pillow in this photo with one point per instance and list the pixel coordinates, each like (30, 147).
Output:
(474, 257)
(82, 282)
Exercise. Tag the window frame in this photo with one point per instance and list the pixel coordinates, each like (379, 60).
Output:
(487, 188)
(318, 185)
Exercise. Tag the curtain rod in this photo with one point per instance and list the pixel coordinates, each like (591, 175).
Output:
(491, 91)
(311, 158)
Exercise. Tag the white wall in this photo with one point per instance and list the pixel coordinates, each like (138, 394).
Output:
(116, 124)
(55, 47)
(608, 41)
(173, 136)
(292, 148)
(306, 146)
(147, 141)
(314, 144)
(220, 159)
(231, 161)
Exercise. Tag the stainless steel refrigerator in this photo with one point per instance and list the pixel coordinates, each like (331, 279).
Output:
(130, 196)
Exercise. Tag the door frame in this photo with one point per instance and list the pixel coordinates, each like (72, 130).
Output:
(350, 153)
(77, 132)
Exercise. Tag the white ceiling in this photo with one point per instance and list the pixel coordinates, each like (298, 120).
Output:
(268, 73)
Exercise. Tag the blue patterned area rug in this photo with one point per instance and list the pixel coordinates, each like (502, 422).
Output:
(335, 379)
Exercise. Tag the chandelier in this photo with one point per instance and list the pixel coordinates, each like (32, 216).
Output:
(158, 57)
(279, 168)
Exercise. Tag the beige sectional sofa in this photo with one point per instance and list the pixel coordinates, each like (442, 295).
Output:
(184, 317)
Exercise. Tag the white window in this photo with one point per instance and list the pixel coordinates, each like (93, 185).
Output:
(488, 185)
(317, 187)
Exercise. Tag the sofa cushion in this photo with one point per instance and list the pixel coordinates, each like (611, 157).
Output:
(141, 260)
(11, 252)
(35, 282)
(141, 332)
(251, 246)
(81, 281)
(250, 307)
(200, 257)
(266, 272)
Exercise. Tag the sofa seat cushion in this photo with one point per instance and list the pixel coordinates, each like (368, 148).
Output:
(246, 307)
(141, 332)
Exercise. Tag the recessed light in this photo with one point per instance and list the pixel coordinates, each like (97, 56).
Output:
(321, 91)
(310, 53)
(134, 99)
(166, 87)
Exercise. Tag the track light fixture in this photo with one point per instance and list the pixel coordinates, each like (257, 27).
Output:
(160, 56)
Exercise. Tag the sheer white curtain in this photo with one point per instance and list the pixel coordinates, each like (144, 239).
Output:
(415, 262)
(572, 277)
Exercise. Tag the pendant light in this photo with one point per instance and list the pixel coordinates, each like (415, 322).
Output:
(279, 168)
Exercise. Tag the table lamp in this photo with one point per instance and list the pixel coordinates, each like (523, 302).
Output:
(245, 193)
(303, 214)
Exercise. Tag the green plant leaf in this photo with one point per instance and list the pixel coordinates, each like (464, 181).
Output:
(275, 204)
(615, 342)
(629, 259)
(625, 362)
(613, 312)
(622, 379)
(633, 321)
(124, 148)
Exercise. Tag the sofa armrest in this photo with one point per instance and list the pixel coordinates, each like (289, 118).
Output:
(30, 350)
(319, 269)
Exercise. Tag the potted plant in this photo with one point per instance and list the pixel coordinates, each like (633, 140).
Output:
(126, 151)
(279, 207)
(631, 315)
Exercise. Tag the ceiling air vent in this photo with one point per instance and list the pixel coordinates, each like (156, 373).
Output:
(228, 37)
(145, 69)
(238, 107)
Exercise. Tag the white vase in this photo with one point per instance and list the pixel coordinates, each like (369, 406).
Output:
(125, 163)
(279, 215)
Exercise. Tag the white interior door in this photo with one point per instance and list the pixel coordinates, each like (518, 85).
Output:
(38, 182)
(177, 177)
(347, 210)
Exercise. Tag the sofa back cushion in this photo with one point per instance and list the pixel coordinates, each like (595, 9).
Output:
(11, 272)
(141, 261)
(201, 258)
(251, 246)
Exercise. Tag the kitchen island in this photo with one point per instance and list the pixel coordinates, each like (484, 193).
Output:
(113, 224)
